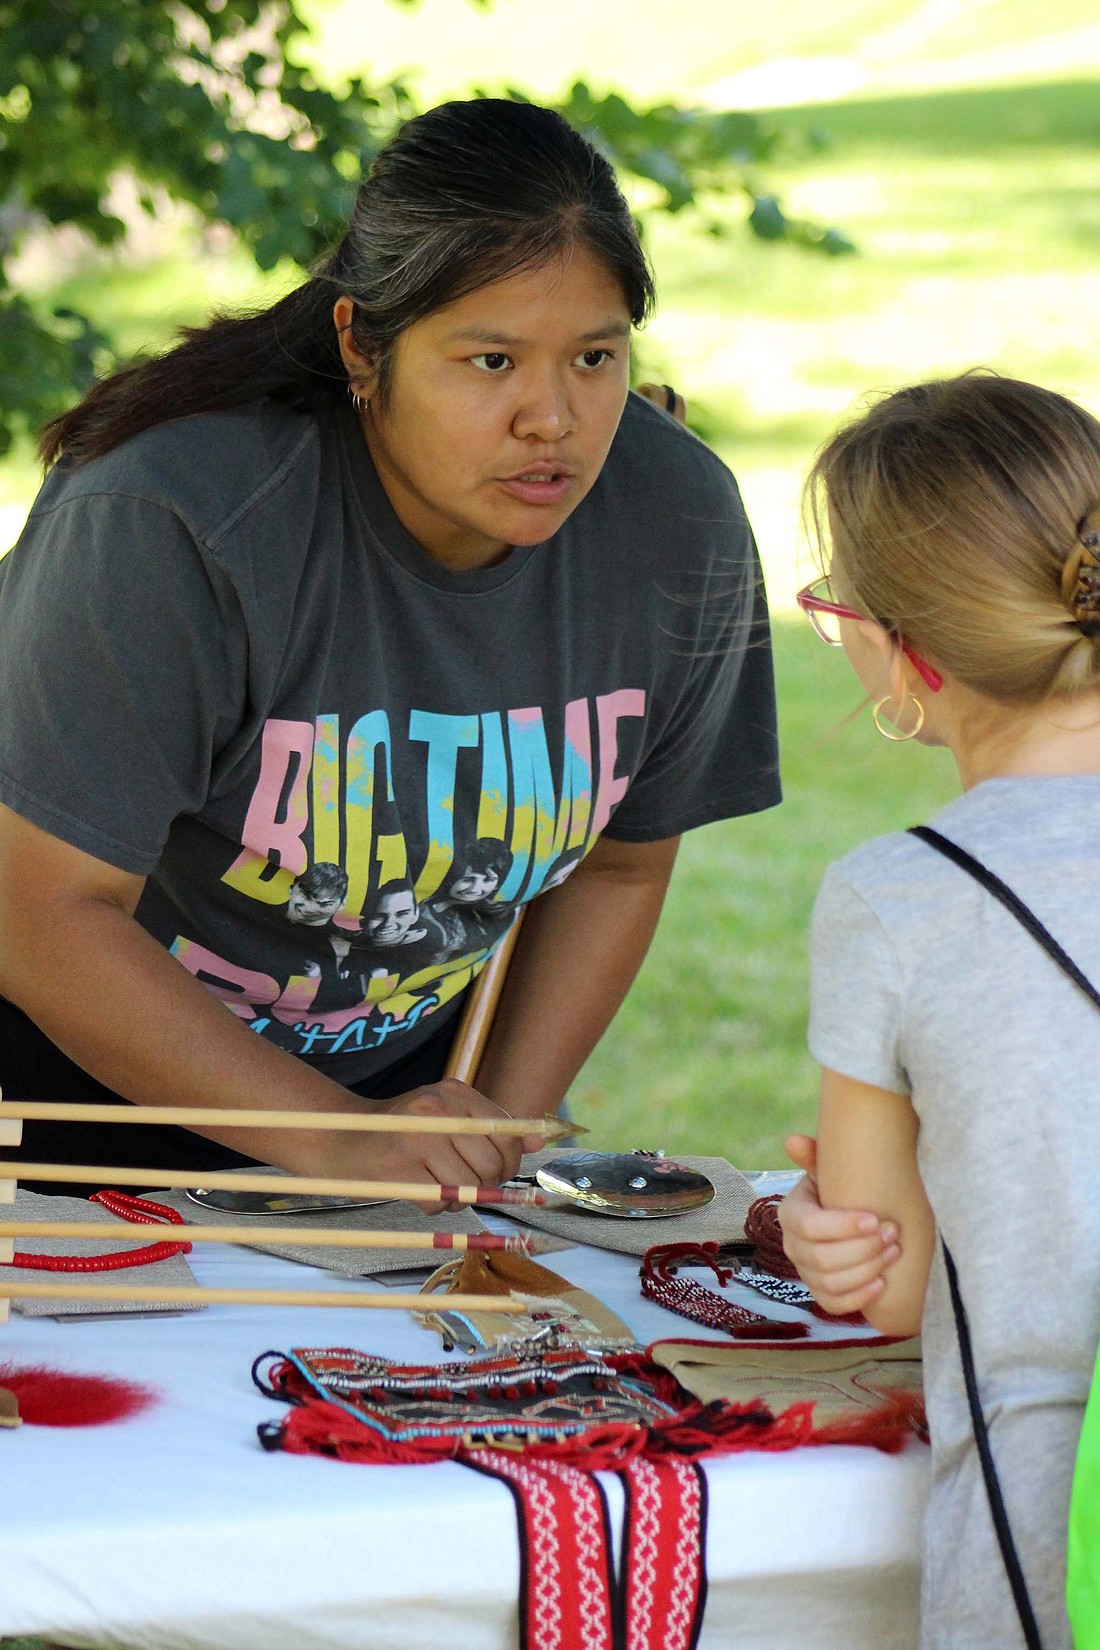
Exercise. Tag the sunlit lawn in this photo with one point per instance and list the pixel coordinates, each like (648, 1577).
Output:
(709, 1053)
(977, 216)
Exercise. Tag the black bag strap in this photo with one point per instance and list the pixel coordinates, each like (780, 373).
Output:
(1024, 914)
(1011, 1557)
(1012, 902)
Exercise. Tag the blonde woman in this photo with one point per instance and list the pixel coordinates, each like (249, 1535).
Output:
(958, 1097)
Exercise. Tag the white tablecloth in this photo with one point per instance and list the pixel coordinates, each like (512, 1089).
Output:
(175, 1531)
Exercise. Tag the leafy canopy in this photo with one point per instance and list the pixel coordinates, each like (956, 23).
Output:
(204, 101)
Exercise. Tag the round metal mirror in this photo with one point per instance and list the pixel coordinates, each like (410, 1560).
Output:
(637, 1185)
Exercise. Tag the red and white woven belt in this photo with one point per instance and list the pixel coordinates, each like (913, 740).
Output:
(570, 1598)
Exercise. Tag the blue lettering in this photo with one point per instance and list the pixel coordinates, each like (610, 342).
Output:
(315, 1037)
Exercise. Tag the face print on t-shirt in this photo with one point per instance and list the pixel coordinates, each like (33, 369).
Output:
(391, 867)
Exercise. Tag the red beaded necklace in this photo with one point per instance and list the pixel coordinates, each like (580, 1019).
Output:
(138, 1209)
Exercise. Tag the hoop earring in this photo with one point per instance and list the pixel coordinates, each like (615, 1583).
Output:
(890, 733)
(359, 402)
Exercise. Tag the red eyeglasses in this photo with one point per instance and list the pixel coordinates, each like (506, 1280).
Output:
(824, 613)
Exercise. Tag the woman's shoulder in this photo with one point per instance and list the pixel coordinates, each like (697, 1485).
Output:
(894, 881)
(209, 469)
(658, 459)
(873, 869)
(1004, 822)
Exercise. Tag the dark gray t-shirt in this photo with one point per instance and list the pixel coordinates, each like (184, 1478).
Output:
(224, 665)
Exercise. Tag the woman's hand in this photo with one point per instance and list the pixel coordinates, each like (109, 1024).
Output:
(841, 1254)
(149, 1030)
(451, 1160)
(665, 397)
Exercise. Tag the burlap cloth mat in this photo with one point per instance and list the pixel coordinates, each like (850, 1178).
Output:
(836, 1379)
(173, 1273)
(353, 1263)
(720, 1221)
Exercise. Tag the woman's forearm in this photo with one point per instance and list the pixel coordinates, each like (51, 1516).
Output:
(867, 1159)
(129, 1014)
(75, 959)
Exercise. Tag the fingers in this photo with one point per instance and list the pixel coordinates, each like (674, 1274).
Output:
(459, 1160)
(841, 1267)
(485, 1160)
(665, 397)
(464, 1159)
(853, 1289)
(841, 1254)
(805, 1222)
(431, 1159)
(468, 1158)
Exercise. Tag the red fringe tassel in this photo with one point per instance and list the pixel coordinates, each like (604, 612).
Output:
(54, 1398)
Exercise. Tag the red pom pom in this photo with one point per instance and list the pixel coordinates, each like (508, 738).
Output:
(56, 1398)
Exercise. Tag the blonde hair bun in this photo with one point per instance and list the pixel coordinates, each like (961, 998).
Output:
(1081, 575)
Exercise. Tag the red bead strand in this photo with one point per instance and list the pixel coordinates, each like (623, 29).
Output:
(141, 1211)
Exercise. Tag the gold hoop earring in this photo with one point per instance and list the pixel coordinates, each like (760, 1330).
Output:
(890, 733)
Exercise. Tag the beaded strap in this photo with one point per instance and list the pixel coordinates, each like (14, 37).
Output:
(691, 1300)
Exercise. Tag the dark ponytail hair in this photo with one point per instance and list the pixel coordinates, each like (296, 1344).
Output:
(463, 195)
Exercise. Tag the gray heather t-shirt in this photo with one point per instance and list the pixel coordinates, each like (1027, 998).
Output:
(922, 983)
(226, 666)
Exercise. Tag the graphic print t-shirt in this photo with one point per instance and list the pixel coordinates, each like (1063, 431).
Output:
(224, 665)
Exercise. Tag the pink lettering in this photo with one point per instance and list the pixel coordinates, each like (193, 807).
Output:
(242, 989)
(286, 746)
(612, 788)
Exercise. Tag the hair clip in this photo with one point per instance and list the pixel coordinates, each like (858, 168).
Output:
(1081, 575)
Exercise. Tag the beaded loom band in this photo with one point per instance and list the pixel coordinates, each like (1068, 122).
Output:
(691, 1300)
(765, 1270)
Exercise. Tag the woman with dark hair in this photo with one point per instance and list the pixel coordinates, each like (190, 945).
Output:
(393, 565)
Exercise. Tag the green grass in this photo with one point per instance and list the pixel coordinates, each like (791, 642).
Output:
(965, 169)
(978, 225)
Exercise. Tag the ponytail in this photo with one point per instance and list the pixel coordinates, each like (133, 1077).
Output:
(289, 353)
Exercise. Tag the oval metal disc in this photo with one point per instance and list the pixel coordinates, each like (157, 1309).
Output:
(628, 1184)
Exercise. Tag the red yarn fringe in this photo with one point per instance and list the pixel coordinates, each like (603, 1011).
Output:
(316, 1427)
(55, 1398)
(899, 1417)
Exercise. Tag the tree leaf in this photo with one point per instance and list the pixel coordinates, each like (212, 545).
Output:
(208, 103)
